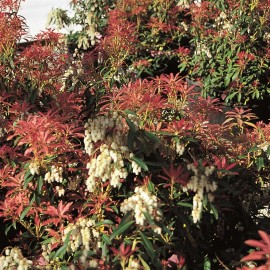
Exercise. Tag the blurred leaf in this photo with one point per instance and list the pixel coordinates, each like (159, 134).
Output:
(144, 263)
(140, 162)
(62, 250)
(149, 218)
(131, 125)
(214, 211)
(122, 228)
(106, 239)
(235, 75)
(259, 163)
(185, 204)
(28, 177)
(24, 212)
(148, 246)
(207, 264)
(151, 136)
(151, 187)
(104, 222)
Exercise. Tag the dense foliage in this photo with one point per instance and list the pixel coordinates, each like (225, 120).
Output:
(136, 150)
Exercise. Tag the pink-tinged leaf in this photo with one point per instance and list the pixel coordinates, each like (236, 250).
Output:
(232, 165)
(255, 243)
(265, 237)
(63, 209)
(28, 151)
(53, 233)
(51, 210)
(55, 221)
(114, 250)
(55, 245)
(174, 259)
(254, 256)
(223, 162)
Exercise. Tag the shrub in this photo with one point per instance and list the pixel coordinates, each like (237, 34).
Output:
(101, 167)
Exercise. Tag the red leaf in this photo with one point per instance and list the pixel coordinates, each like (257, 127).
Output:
(265, 237)
(255, 243)
(256, 255)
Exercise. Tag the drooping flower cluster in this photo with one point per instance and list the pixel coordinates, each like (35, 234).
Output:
(96, 130)
(55, 175)
(265, 146)
(200, 184)
(143, 202)
(2, 132)
(180, 148)
(222, 22)
(13, 259)
(106, 142)
(72, 74)
(82, 235)
(34, 168)
(108, 165)
(47, 249)
(85, 262)
(202, 49)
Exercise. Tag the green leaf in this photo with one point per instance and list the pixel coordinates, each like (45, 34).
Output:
(24, 212)
(149, 218)
(106, 239)
(130, 112)
(131, 125)
(7, 229)
(40, 184)
(239, 96)
(122, 228)
(47, 241)
(27, 179)
(185, 204)
(227, 80)
(105, 250)
(214, 211)
(151, 187)
(182, 67)
(152, 137)
(37, 193)
(230, 97)
(268, 151)
(155, 163)
(115, 209)
(62, 250)
(11, 62)
(259, 163)
(207, 264)
(17, 139)
(104, 222)
(148, 246)
(254, 149)
(140, 162)
(144, 263)
(235, 75)
(130, 139)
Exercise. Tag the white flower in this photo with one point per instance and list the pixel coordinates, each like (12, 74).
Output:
(142, 202)
(34, 168)
(200, 184)
(198, 2)
(83, 235)
(264, 146)
(111, 152)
